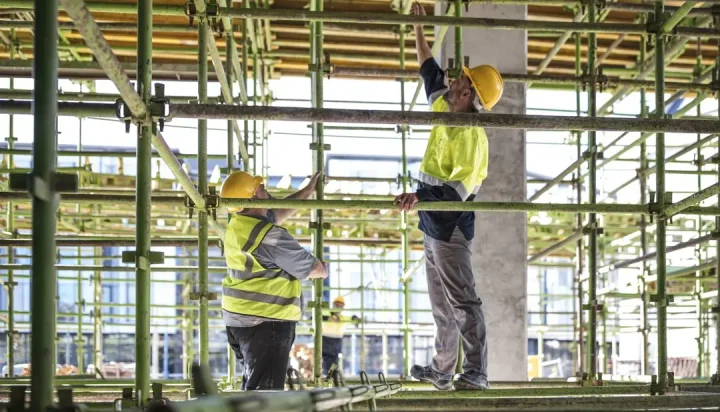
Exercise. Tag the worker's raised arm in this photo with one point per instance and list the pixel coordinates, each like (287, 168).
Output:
(432, 74)
(306, 192)
(423, 48)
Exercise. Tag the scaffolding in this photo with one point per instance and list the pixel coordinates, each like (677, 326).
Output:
(58, 195)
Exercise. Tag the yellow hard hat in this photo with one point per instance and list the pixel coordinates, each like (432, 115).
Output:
(487, 83)
(240, 185)
(339, 299)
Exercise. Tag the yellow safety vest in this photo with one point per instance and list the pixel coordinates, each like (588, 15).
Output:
(249, 288)
(333, 328)
(455, 156)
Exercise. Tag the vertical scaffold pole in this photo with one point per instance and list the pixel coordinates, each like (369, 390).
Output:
(661, 297)
(318, 145)
(97, 316)
(232, 377)
(361, 256)
(10, 250)
(699, 248)
(229, 71)
(245, 43)
(203, 189)
(80, 302)
(642, 175)
(143, 207)
(405, 249)
(580, 252)
(458, 73)
(717, 243)
(44, 204)
(592, 198)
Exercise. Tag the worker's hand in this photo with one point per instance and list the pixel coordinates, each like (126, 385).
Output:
(406, 201)
(319, 270)
(314, 180)
(417, 9)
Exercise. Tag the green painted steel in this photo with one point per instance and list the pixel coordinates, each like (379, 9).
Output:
(203, 189)
(644, 293)
(716, 21)
(602, 208)
(44, 204)
(143, 208)
(405, 181)
(97, 316)
(229, 39)
(660, 241)
(580, 250)
(244, 54)
(317, 60)
(592, 361)
(10, 286)
(677, 16)
(692, 200)
(487, 120)
(80, 301)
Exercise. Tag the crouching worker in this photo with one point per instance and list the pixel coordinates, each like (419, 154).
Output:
(334, 325)
(262, 297)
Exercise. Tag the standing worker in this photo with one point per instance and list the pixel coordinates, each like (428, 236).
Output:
(454, 166)
(262, 297)
(333, 333)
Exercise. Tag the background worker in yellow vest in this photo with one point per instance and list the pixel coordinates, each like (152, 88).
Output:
(454, 166)
(334, 324)
(262, 297)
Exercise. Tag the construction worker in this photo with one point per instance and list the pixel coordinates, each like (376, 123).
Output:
(454, 166)
(333, 333)
(262, 299)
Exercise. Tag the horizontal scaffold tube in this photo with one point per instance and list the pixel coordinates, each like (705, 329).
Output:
(192, 242)
(476, 22)
(523, 78)
(487, 120)
(376, 204)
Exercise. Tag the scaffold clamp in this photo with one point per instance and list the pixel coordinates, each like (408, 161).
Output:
(195, 296)
(212, 202)
(314, 225)
(599, 4)
(159, 107)
(661, 302)
(325, 146)
(188, 203)
(157, 395)
(715, 81)
(142, 262)
(37, 187)
(190, 11)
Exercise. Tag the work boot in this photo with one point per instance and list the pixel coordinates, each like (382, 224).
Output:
(427, 374)
(471, 381)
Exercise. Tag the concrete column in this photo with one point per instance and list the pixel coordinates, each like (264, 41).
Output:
(500, 245)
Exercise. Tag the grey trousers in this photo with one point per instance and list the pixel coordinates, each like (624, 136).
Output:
(456, 307)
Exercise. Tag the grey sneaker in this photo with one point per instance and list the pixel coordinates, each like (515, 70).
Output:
(471, 381)
(427, 374)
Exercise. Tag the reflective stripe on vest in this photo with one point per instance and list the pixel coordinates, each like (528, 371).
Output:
(334, 328)
(249, 288)
(455, 156)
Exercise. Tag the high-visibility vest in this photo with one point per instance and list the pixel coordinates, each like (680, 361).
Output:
(250, 288)
(334, 328)
(455, 156)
